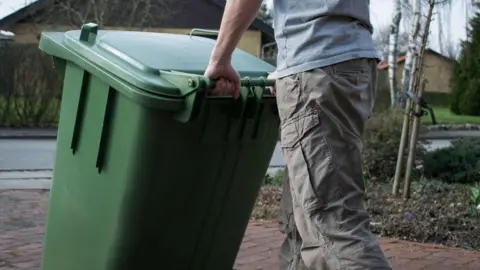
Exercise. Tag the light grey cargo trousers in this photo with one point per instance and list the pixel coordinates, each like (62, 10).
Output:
(323, 112)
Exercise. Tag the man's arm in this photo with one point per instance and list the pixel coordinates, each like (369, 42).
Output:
(237, 17)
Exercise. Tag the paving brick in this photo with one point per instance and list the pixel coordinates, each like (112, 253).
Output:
(28, 265)
(250, 260)
(474, 265)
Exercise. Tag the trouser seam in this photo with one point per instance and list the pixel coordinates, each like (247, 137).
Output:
(294, 238)
(326, 239)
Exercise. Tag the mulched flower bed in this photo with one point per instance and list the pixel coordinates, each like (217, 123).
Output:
(437, 213)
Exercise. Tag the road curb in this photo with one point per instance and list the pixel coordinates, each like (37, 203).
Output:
(6, 133)
(449, 134)
(40, 179)
(25, 174)
(52, 134)
(29, 137)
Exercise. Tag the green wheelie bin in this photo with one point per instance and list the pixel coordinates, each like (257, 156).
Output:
(151, 171)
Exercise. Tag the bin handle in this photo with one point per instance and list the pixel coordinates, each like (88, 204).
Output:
(250, 96)
(199, 30)
(195, 98)
(194, 89)
(245, 82)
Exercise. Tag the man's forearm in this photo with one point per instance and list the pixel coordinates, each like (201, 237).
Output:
(237, 17)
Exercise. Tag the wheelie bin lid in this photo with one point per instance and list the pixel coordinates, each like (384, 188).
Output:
(139, 57)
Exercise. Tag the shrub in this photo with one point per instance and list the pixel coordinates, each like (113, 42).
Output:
(475, 197)
(382, 100)
(274, 180)
(470, 102)
(458, 86)
(31, 89)
(381, 141)
(459, 163)
(438, 99)
(267, 205)
(465, 83)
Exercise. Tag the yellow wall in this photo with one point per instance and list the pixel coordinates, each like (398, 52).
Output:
(437, 70)
(251, 41)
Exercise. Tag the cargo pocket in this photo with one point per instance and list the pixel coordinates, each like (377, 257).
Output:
(293, 131)
(309, 161)
(355, 72)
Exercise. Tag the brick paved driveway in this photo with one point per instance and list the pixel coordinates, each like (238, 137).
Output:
(261, 242)
(22, 222)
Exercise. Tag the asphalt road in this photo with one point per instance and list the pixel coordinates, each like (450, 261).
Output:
(27, 154)
(39, 154)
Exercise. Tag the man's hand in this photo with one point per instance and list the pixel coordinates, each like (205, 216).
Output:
(238, 15)
(272, 89)
(227, 79)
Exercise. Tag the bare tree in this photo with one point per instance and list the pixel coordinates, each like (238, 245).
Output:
(381, 41)
(446, 45)
(450, 49)
(444, 13)
(443, 18)
(121, 13)
(393, 52)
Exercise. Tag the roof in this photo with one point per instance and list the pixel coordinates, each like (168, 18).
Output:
(8, 7)
(12, 11)
(6, 35)
(401, 59)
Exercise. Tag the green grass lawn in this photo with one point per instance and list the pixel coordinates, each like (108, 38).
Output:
(445, 116)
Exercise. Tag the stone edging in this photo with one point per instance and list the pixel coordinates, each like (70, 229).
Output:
(452, 127)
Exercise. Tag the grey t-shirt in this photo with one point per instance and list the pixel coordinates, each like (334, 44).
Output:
(317, 33)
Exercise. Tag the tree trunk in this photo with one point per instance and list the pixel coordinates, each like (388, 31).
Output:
(418, 73)
(412, 47)
(393, 53)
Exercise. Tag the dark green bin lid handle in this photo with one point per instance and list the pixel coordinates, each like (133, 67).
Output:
(89, 32)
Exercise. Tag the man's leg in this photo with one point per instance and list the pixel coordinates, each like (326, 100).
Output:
(323, 112)
(289, 257)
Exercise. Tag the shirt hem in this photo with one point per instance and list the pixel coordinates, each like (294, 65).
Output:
(323, 63)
